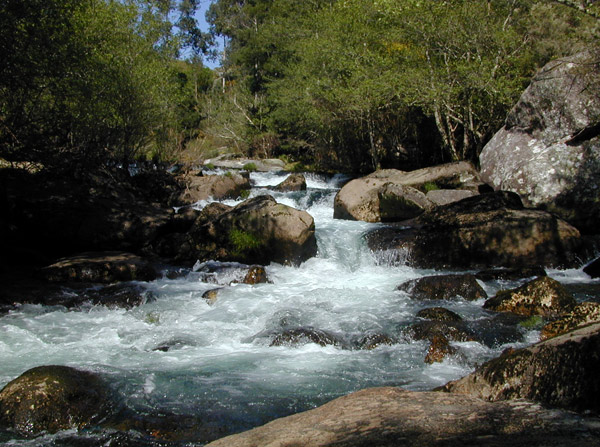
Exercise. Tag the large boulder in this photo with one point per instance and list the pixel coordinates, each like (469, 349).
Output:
(100, 267)
(392, 417)
(543, 296)
(392, 195)
(257, 231)
(488, 230)
(218, 187)
(53, 398)
(559, 372)
(549, 149)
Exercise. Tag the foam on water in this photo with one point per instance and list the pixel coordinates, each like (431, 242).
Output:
(214, 358)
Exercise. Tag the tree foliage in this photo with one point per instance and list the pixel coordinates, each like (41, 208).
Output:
(85, 82)
(363, 84)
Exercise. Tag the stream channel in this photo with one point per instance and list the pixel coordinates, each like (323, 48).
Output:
(216, 370)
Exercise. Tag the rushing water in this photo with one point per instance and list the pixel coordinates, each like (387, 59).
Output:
(217, 369)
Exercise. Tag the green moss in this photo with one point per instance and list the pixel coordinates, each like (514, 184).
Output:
(429, 186)
(228, 174)
(243, 241)
(245, 194)
(533, 322)
(209, 167)
(251, 167)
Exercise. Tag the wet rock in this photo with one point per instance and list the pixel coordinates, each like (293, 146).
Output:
(582, 314)
(498, 330)
(257, 231)
(125, 296)
(439, 349)
(593, 268)
(174, 344)
(438, 314)
(372, 341)
(100, 267)
(226, 273)
(451, 330)
(510, 274)
(558, 372)
(548, 150)
(489, 230)
(53, 398)
(543, 296)
(389, 417)
(444, 287)
(216, 187)
(262, 165)
(360, 199)
(211, 295)
(294, 182)
(302, 336)
(256, 275)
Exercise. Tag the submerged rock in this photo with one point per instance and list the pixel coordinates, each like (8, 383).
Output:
(301, 336)
(582, 314)
(227, 273)
(511, 274)
(439, 349)
(451, 330)
(100, 267)
(392, 195)
(559, 372)
(543, 296)
(373, 341)
(294, 182)
(489, 230)
(438, 314)
(390, 417)
(53, 398)
(256, 275)
(211, 295)
(444, 287)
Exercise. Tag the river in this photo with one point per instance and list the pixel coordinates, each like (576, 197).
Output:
(217, 368)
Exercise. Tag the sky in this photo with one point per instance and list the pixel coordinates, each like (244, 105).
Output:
(204, 4)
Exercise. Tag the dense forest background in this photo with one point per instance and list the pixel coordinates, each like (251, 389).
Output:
(348, 85)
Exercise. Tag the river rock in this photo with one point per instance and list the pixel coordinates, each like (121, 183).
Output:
(53, 398)
(444, 287)
(445, 196)
(543, 296)
(549, 149)
(593, 268)
(226, 273)
(100, 267)
(211, 295)
(217, 187)
(488, 230)
(372, 341)
(257, 231)
(451, 330)
(256, 275)
(511, 274)
(302, 336)
(361, 199)
(392, 417)
(439, 314)
(439, 349)
(558, 372)
(294, 182)
(582, 314)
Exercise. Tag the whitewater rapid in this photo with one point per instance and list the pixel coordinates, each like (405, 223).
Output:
(216, 366)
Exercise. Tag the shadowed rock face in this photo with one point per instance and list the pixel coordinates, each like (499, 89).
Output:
(53, 398)
(559, 372)
(489, 230)
(394, 417)
(444, 287)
